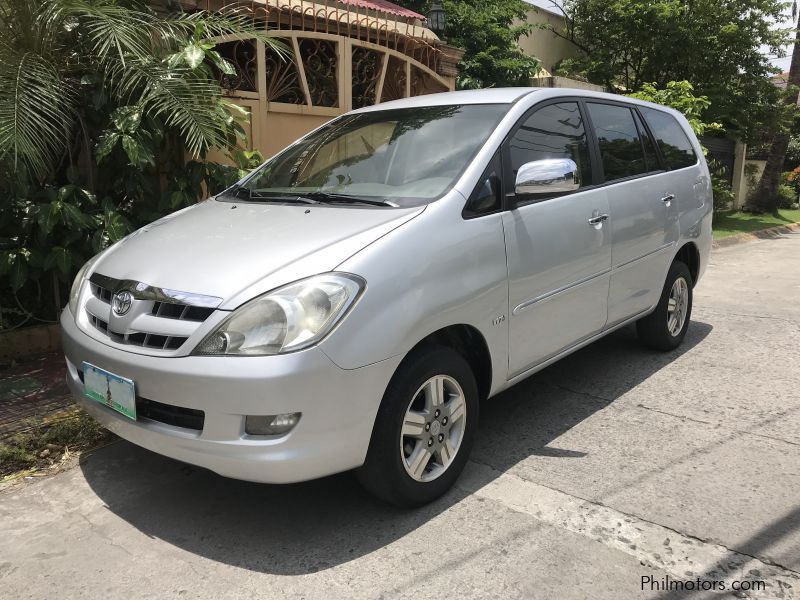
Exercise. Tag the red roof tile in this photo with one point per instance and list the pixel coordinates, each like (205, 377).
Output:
(384, 6)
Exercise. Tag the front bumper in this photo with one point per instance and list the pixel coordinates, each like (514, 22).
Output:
(338, 407)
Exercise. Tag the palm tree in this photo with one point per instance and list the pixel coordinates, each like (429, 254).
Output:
(765, 199)
(99, 102)
(57, 56)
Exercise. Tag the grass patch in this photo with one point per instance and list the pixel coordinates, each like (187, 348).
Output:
(730, 223)
(46, 443)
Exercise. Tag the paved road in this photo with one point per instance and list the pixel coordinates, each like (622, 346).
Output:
(615, 464)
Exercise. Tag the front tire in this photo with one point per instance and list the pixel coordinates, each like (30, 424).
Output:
(424, 429)
(665, 328)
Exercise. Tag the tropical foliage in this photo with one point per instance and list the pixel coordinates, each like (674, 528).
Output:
(680, 95)
(770, 195)
(100, 101)
(793, 153)
(717, 46)
(488, 32)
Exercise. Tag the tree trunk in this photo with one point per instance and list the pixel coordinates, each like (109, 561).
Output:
(765, 198)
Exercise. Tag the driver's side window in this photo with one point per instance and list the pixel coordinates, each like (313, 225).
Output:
(553, 131)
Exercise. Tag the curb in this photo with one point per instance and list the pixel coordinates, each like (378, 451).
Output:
(763, 234)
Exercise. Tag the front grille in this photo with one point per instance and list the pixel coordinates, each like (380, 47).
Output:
(101, 293)
(164, 335)
(98, 323)
(148, 340)
(187, 418)
(145, 340)
(183, 312)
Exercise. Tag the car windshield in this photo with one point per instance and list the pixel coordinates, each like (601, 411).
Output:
(400, 157)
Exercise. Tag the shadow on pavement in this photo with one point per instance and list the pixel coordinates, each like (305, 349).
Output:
(309, 527)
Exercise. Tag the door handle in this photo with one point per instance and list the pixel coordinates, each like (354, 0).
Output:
(668, 199)
(598, 220)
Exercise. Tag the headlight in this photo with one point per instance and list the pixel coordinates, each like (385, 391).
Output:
(288, 319)
(77, 284)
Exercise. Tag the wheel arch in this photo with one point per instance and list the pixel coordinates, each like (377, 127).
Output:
(689, 254)
(470, 343)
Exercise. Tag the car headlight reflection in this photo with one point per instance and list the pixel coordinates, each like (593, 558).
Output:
(288, 319)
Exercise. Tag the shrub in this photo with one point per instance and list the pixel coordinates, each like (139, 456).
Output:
(723, 195)
(99, 103)
(792, 160)
(787, 196)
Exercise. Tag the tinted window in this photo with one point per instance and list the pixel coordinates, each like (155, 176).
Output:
(673, 141)
(621, 148)
(555, 131)
(649, 147)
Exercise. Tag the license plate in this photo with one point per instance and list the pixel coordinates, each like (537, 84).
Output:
(112, 390)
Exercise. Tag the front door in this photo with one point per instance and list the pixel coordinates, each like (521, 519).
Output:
(558, 262)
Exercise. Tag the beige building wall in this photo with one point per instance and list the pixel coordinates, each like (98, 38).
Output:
(282, 129)
(545, 45)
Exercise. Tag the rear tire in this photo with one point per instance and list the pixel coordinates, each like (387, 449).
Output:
(665, 328)
(424, 429)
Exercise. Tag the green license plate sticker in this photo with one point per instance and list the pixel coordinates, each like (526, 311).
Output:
(112, 390)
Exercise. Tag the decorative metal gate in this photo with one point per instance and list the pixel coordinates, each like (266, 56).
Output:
(319, 76)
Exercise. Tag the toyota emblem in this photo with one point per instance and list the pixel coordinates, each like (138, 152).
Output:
(121, 303)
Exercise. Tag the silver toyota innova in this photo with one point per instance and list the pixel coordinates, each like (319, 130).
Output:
(348, 304)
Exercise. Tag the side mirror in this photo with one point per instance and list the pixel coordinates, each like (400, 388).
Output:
(550, 176)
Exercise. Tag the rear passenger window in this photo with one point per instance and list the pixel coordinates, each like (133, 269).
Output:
(649, 147)
(673, 141)
(554, 131)
(621, 149)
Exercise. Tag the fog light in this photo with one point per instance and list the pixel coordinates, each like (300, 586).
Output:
(271, 424)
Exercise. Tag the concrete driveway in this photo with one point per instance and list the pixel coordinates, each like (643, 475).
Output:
(613, 465)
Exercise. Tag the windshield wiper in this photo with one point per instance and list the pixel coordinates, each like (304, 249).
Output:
(238, 191)
(290, 198)
(307, 198)
(329, 197)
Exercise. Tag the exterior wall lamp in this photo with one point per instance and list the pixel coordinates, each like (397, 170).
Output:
(437, 19)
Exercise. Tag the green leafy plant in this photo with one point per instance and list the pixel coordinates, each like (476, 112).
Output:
(489, 33)
(789, 189)
(787, 196)
(722, 194)
(793, 153)
(101, 104)
(200, 178)
(680, 95)
(717, 46)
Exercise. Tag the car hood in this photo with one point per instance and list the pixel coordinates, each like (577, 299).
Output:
(236, 250)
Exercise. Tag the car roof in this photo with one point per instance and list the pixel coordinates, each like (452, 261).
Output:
(503, 96)
(487, 96)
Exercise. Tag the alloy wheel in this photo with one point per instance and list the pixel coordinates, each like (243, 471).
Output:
(677, 306)
(433, 428)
